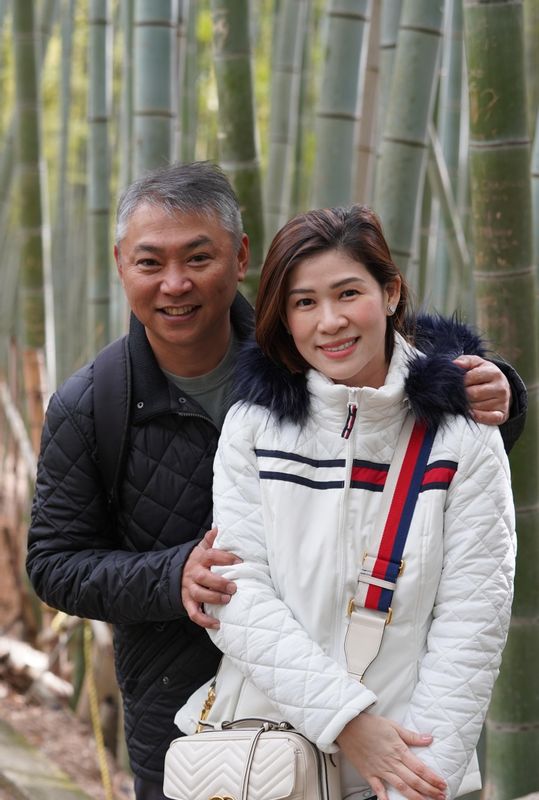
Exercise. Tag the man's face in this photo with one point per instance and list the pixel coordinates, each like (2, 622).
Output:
(180, 274)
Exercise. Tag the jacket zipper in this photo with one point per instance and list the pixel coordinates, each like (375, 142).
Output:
(346, 434)
(350, 420)
(196, 416)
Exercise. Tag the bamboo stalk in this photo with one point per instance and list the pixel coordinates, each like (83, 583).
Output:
(505, 292)
(284, 114)
(368, 134)
(341, 99)
(238, 151)
(403, 155)
(99, 268)
(154, 35)
(32, 295)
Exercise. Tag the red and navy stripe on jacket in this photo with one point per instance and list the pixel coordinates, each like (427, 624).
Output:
(365, 474)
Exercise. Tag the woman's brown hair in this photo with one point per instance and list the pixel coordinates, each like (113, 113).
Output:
(355, 231)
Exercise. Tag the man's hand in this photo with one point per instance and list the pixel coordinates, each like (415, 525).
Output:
(487, 389)
(379, 750)
(200, 585)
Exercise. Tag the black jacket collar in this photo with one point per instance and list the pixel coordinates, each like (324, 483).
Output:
(152, 392)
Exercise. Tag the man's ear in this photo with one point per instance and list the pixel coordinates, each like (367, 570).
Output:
(243, 257)
(118, 261)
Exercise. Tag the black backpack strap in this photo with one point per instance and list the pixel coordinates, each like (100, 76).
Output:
(112, 403)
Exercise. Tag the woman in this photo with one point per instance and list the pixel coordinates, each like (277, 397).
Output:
(323, 397)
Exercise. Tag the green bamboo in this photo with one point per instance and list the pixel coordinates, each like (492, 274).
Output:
(44, 19)
(535, 201)
(237, 123)
(9, 268)
(458, 252)
(29, 177)
(444, 281)
(126, 99)
(403, 154)
(77, 346)
(368, 135)
(189, 98)
(531, 51)
(341, 98)
(183, 13)
(389, 29)
(304, 154)
(47, 13)
(98, 175)
(505, 290)
(152, 80)
(61, 271)
(284, 115)
(425, 254)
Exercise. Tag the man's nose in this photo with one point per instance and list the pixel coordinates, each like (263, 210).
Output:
(175, 280)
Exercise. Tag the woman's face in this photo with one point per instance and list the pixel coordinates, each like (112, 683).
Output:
(337, 314)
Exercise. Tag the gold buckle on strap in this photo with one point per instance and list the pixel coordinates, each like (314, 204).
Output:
(351, 607)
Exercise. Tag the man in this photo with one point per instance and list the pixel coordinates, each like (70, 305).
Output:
(180, 251)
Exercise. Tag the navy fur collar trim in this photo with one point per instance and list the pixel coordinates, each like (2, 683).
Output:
(434, 386)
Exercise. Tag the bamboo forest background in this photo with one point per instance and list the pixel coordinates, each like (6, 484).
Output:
(426, 110)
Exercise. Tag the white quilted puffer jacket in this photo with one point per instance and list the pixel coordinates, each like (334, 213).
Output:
(297, 503)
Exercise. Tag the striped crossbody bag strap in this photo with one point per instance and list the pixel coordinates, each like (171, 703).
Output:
(370, 607)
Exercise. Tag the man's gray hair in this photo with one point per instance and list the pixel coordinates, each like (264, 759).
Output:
(197, 188)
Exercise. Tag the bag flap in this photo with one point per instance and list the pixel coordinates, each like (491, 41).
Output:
(212, 764)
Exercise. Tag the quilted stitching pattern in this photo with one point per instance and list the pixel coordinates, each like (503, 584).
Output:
(189, 775)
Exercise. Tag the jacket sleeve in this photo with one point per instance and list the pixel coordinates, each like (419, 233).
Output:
(470, 619)
(74, 560)
(257, 629)
(512, 428)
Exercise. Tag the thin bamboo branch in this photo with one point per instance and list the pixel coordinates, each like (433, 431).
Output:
(441, 185)
(18, 431)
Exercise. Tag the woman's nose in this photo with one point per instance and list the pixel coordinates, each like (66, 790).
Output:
(331, 319)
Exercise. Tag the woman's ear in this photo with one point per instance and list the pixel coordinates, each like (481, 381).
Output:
(393, 293)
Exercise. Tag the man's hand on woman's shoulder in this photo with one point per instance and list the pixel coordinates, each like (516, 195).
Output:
(487, 389)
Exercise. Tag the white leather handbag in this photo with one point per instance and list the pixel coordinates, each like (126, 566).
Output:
(251, 759)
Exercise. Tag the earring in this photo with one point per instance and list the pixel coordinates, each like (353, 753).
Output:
(390, 309)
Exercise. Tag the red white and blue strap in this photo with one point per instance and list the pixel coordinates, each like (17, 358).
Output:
(379, 571)
(370, 608)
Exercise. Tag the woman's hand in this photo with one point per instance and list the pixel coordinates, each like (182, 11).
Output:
(379, 750)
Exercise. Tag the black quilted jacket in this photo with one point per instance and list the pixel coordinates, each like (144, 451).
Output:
(128, 570)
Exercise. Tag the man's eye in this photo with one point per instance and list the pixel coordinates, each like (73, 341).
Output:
(199, 258)
(147, 262)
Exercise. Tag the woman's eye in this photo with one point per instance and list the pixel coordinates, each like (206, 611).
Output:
(350, 293)
(303, 302)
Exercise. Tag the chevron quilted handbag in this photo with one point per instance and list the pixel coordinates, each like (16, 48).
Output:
(250, 759)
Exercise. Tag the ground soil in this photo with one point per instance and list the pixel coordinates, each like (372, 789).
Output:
(65, 740)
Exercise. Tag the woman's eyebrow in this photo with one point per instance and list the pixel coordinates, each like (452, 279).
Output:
(336, 285)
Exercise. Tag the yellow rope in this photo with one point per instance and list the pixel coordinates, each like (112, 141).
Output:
(94, 712)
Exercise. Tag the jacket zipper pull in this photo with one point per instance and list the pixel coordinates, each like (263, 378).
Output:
(350, 419)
